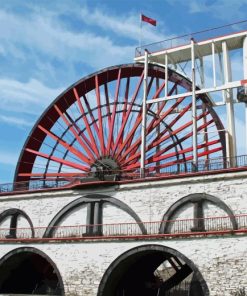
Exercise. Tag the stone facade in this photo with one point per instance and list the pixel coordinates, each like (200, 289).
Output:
(221, 260)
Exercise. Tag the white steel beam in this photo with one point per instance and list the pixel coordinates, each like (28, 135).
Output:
(176, 55)
(194, 120)
(144, 112)
(202, 76)
(228, 97)
(166, 75)
(182, 53)
(245, 77)
(214, 65)
(226, 86)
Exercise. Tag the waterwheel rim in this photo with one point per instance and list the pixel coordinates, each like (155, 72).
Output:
(97, 122)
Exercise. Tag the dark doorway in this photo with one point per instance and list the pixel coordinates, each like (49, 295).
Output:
(28, 271)
(152, 270)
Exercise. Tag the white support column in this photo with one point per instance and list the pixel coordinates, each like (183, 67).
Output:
(228, 97)
(213, 64)
(221, 74)
(144, 111)
(245, 77)
(202, 76)
(157, 134)
(194, 113)
(166, 75)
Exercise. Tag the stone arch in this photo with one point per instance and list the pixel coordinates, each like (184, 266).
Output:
(97, 199)
(14, 214)
(149, 257)
(27, 270)
(198, 199)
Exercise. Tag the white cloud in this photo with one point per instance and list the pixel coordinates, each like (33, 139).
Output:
(222, 9)
(196, 6)
(46, 32)
(127, 25)
(40, 33)
(30, 97)
(8, 158)
(17, 122)
(43, 37)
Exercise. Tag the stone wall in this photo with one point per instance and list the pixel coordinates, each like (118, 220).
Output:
(150, 200)
(221, 260)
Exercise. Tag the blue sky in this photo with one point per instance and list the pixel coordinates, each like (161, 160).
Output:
(45, 46)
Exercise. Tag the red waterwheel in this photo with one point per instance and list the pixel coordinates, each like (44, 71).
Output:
(97, 123)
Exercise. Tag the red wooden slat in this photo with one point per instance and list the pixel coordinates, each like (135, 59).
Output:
(128, 113)
(88, 128)
(134, 147)
(74, 132)
(108, 109)
(181, 128)
(186, 150)
(94, 121)
(168, 164)
(44, 175)
(65, 145)
(153, 144)
(110, 137)
(59, 160)
(128, 140)
(121, 131)
(101, 132)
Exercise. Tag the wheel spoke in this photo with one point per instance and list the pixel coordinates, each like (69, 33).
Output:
(181, 128)
(44, 175)
(97, 123)
(71, 128)
(65, 145)
(172, 154)
(59, 160)
(123, 123)
(110, 138)
(135, 146)
(92, 143)
(171, 163)
(91, 116)
(128, 140)
(154, 144)
(101, 131)
(107, 105)
(128, 113)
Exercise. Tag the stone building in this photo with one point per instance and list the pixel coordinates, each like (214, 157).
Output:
(129, 184)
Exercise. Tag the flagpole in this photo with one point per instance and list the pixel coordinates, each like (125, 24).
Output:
(140, 39)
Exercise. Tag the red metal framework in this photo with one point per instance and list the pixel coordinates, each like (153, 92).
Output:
(95, 125)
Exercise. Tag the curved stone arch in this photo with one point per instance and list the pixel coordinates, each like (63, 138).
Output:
(36, 251)
(195, 198)
(120, 265)
(14, 214)
(88, 199)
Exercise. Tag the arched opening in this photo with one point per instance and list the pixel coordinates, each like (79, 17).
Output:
(29, 271)
(16, 218)
(152, 270)
(199, 202)
(95, 209)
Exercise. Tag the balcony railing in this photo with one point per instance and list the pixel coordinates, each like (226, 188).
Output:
(181, 168)
(142, 230)
(186, 39)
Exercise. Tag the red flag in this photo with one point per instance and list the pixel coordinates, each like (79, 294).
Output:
(148, 20)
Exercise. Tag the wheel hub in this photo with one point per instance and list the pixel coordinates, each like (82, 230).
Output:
(105, 166)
